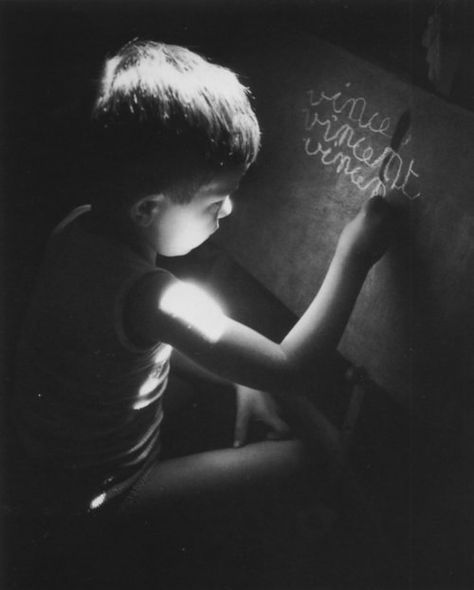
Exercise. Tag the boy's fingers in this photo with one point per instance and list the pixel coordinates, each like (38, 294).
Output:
(377, 204)
(280, 429)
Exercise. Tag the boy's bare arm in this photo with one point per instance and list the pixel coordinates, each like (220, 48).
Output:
(241, 355)
(361, 243)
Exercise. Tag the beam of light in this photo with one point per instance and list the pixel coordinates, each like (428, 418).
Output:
(163, 354)
(150, 385)
(98, 501)
(141, 404)
(154, 379)
(191, 304)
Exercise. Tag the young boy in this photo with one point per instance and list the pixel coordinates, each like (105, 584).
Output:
(173, 135)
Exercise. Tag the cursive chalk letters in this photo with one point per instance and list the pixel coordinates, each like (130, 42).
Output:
(339, 132)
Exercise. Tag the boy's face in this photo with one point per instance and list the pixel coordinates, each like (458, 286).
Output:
(178, 228)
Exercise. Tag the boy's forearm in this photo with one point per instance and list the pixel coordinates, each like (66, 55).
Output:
(243, 356)
(319, 330)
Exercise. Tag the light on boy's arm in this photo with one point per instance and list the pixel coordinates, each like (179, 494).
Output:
(196, 308)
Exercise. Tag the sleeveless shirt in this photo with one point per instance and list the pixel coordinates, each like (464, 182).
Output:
(88, 400)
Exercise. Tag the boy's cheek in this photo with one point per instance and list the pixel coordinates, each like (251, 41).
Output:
(183, 242)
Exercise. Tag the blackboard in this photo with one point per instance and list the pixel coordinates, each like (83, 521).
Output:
(328, 120)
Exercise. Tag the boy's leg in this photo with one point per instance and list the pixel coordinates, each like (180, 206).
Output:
(254, 469)
(230, 512)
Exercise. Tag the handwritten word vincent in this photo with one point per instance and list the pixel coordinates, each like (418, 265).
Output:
(347, 146)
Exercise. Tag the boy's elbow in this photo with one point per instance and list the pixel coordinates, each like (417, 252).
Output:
(302, 374)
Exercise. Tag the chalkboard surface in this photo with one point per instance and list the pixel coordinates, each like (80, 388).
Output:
(333, 126)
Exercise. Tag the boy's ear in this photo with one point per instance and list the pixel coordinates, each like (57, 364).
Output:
(144, 211)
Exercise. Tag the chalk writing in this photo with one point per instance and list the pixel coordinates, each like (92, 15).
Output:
(340, 130)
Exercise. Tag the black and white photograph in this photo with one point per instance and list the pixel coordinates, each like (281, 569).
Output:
(237, 304)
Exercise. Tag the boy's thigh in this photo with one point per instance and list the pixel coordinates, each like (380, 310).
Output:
(222, 510)
(250, 472)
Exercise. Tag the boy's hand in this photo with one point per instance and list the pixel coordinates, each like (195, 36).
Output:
(254, 405)
(369, 234)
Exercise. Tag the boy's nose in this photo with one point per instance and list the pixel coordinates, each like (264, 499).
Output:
(226, 208)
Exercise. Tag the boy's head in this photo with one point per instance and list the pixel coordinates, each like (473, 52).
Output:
(166, 121)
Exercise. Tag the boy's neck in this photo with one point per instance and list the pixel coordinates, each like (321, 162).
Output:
(139, 244)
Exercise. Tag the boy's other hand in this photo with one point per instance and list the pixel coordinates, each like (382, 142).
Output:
(369, 234)
(257, 406)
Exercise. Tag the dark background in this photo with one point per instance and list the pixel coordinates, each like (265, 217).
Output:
(51, 55)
